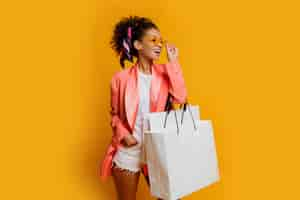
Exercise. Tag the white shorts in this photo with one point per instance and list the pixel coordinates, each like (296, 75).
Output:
(132, 158)
(129, 158)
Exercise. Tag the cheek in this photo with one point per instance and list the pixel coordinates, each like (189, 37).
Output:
(147, 50)
(147, 47)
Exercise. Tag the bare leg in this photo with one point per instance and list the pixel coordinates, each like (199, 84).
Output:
(126, 183)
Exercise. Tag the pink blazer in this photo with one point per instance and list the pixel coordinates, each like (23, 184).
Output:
(166, 78)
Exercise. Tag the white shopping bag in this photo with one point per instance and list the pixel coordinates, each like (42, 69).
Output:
(186, 120)
(181, 157)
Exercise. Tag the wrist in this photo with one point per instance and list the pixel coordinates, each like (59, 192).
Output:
(173, 60)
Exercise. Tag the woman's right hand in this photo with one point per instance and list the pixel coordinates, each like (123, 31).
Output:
(129, 140)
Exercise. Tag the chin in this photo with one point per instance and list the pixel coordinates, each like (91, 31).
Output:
(155, 57)
(152, 58)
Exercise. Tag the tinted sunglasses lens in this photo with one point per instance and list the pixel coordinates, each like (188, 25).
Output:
(159, 41)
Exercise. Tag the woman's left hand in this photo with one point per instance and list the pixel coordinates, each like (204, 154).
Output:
(172, 52)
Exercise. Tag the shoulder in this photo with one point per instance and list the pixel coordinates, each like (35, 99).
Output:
(120, 76)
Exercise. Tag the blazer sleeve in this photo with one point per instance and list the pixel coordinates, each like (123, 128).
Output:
(118, 126)
(177, 86)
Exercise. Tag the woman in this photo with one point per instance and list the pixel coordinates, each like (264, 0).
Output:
(140, 89)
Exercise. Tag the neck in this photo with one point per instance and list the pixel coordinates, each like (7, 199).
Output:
(144, 65)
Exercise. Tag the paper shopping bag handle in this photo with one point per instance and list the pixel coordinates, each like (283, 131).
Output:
(169, 106)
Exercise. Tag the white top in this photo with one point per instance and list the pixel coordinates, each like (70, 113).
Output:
(144, 83)
(130, 157)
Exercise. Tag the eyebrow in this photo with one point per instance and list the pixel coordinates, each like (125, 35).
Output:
(155, 36)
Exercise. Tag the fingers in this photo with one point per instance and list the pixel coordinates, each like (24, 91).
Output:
(176, 51)
(131, 144)
(130, 140)
(172, 51)
(171, 48)
(133, 141)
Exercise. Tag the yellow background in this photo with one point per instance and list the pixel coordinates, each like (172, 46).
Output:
(240, 60)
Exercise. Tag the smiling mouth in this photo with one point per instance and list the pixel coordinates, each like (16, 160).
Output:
(157, 52)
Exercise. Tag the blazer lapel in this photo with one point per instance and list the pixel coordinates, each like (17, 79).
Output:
(131, 96)
(132, 93)
(155, 88)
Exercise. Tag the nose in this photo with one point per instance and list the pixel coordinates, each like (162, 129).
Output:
(160, 44)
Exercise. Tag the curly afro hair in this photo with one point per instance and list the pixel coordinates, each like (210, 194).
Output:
(126, 31)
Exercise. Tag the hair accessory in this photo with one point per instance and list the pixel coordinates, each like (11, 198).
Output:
(126, 49)
(125, 45)
(129, 32)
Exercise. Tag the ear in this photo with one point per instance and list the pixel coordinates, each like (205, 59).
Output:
(137, 45)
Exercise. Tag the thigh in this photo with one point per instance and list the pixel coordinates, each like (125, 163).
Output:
(126, 183)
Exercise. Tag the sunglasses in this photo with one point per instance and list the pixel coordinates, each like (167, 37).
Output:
(156, 40)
